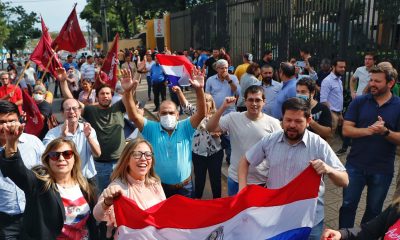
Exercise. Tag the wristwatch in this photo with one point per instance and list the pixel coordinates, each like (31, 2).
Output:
(230, 81)
(386, 133)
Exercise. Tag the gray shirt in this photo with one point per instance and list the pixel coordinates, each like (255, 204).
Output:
(285, 161)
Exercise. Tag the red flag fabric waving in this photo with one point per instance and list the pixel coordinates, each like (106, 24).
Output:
(43, 53)
(34, 120)
(70, 37)
(110, 65)
(45, 31)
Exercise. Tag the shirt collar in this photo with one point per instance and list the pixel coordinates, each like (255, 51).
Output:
(289, 81)
(304, 139)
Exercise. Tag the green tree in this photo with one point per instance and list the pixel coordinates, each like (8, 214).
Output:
(21, 27)
(4, 31)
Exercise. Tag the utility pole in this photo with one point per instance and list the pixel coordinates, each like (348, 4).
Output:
(104, 26)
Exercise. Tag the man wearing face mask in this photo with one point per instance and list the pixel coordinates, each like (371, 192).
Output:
(44, 107)
(271, 88)
(321, 121)
(172, 140)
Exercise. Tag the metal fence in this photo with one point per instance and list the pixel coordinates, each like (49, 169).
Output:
(330, 28)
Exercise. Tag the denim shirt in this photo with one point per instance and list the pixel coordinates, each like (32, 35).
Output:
(12, 198)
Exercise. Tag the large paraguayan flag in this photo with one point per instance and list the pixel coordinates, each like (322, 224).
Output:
(255, 213)
(177, 68)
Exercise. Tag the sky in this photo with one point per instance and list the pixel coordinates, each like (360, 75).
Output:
(54, 12)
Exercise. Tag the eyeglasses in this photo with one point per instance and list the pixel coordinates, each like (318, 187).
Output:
(70, 109)
(138, 154)
(3, 78)
(54, 156)
(256, 100)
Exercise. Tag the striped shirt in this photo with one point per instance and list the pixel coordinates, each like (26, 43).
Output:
(285, 161)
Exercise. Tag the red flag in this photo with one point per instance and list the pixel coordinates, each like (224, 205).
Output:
(110, 65)
(70, 37)
(34, 120)
(45, 31)
(42, 54)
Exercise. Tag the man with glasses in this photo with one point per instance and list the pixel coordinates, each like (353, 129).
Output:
(245, 129)
(11, 197)
(287, 74)
(172, 140)
(10, 92)
(82, 134)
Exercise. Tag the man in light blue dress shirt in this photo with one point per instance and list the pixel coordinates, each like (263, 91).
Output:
(287, 153)
(12, 199)
(332, 92)
(271, 88)
(82, 134)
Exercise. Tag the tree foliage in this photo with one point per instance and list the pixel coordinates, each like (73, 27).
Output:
(126, 16)
(19, 26)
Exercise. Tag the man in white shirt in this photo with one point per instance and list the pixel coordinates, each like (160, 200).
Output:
(245, 129)
(362, 75)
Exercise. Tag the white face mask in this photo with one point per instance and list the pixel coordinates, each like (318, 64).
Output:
(38, 97)
(168, 121)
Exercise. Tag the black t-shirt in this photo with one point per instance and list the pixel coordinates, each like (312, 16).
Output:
(321, 114)
(210, 70)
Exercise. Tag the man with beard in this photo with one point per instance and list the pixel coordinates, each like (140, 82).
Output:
(373, 122)
(271, 88)
(332, 92)
(288, 152)
(245, 129)
(108, 122)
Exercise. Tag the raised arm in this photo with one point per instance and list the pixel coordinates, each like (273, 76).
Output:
(91, 138)
(198, 84)
(129, 85)
(213, 122)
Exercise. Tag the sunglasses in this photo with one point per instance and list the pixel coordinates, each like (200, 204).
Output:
(139, 154)
(56, 155)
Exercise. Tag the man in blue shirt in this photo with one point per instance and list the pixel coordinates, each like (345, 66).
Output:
(70, 62)
(172, 140)
(287, 74)
(11, 197)
(159, 81)
(373, 122)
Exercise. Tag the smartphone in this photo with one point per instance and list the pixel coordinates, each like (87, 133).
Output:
(301, 64)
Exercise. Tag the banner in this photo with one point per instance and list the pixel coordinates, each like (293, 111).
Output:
(177, 68)
(254, 213)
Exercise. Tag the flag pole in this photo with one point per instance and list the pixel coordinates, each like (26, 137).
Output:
(48, 64)
(21, 75)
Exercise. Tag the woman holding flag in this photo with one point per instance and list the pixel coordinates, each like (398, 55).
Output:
(134, 177)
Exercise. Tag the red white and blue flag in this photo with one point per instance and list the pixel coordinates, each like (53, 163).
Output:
(255, 213)
(177, 68)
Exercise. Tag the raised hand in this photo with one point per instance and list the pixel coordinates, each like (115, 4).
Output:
(127, 82)
(61, 74)
(176, 89)
(11, 131)
(197, 80)
(87, 129)
(229, 101)
(65, 128)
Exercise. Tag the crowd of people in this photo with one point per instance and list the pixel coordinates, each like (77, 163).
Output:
(269, 121)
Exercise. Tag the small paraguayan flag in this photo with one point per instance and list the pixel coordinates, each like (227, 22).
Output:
(177, 68)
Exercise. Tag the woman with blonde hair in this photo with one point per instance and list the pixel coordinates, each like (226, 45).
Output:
(59, 200)
(207, 153)
(134, 177)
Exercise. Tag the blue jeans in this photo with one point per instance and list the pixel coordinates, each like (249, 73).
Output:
(104, 170)
(316, 231)
(378, 186)
(233, 187)
(186, 190)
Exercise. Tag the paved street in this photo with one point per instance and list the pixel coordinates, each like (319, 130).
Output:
(333, 195)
